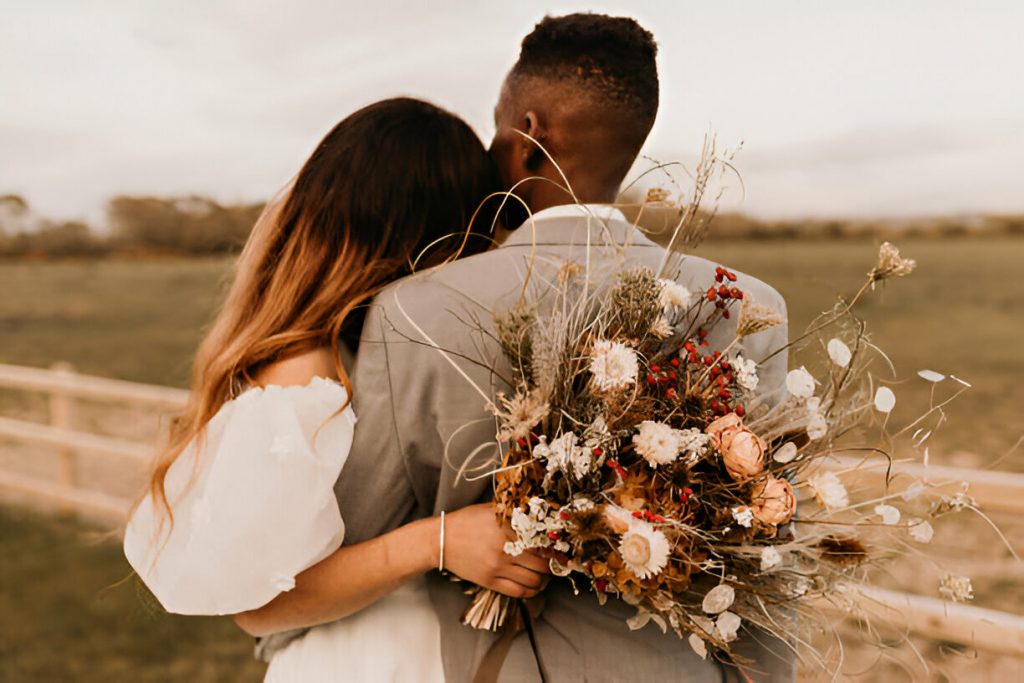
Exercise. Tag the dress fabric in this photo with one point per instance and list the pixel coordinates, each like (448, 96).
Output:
(253, 504)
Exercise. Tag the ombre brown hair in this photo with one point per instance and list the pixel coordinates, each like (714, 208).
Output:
(395, 184)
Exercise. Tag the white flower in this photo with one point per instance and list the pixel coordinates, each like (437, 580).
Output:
(839, 352)
(692, 441)
(785, 453)
(920, 530)
(719, 599)
(930, 375)
(644, 549)
(885, 400)
(661, 328)
(674, 296)
(743, 516)
(746, 373)
(728, 624)
(697, 643)
(657, 443)
(888, 513)
(566, 455)
(829, 490)
(532, 526)
(956, 588)
(800, 383)
(613, 365)
(770, 558)
(817, 427)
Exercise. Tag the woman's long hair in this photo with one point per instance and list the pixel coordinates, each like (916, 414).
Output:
(394, 183)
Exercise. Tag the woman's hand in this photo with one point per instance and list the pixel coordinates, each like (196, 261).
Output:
(474, 550)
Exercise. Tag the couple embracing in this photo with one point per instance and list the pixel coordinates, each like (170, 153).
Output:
(323, 485)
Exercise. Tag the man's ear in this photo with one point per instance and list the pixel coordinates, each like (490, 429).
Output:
(532, 156)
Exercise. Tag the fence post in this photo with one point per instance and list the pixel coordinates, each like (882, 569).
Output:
(62, 416)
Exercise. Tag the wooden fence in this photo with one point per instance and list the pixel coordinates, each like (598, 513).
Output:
(981, 628)
(64, 388)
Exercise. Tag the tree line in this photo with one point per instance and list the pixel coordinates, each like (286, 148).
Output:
(196, 225)
(191, 225)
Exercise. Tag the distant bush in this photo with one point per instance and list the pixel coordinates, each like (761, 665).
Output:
(69, 238)
(177, 225)
(191, 225)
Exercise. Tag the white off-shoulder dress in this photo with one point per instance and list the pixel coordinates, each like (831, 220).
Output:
(254, 505)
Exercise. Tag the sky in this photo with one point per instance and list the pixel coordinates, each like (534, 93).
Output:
(844, 109)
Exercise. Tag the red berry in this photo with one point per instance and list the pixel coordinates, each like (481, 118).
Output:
(708, 360)
(731, 276)
(655, 369)
(702, 333)
(554, 535)
(638, 514)
(723, 292)
(724, 393)
(726, 315)
(675, 362)
(601, 584)
(651, 379)
(671, 393)
(711, 294)
(739, 410)
(673, 374)
(598, 452)
(563, 515)
(522, 442)
(688, 491)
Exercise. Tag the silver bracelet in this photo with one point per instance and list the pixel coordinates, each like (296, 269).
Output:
(440, 561)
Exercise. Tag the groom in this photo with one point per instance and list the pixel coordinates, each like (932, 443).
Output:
(585, 88)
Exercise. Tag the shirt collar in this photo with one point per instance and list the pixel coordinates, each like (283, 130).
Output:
(577, 224)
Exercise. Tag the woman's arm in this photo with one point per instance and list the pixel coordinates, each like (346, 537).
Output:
(354, 577)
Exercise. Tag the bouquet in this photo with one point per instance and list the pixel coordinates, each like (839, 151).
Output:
(653, 469)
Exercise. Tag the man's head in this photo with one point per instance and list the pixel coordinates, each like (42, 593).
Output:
(586, 89)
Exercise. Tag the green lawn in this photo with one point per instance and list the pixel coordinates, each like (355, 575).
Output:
(68, 614)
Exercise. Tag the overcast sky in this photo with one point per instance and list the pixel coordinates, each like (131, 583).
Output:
(853, 108)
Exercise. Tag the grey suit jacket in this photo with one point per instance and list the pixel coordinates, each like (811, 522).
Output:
(421, 416)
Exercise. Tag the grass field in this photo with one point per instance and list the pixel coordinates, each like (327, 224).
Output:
(67, 614)
(962, 312)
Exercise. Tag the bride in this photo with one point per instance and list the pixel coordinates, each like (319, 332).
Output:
(240, 516)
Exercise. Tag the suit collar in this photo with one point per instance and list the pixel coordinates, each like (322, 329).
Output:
(578, 224)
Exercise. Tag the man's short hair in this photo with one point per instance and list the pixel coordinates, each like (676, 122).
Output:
(612, 57)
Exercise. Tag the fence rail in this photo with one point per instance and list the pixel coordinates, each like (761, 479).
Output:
(65, 387)
(981, 628)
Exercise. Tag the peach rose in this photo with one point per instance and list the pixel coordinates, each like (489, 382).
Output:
(773, 501)
(717, 429)
(742, 451)
(743, 455)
